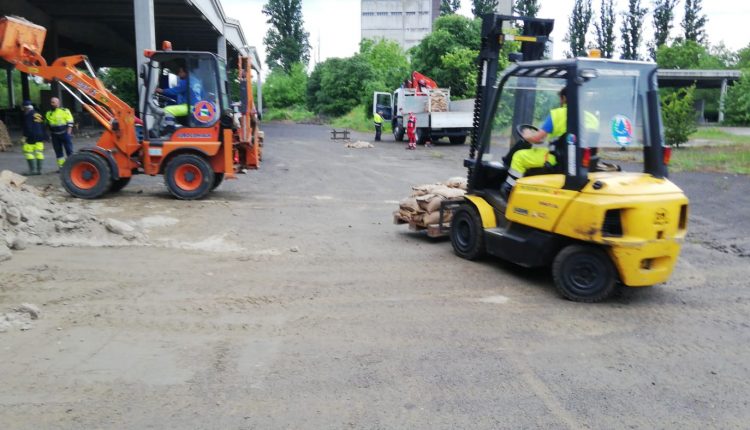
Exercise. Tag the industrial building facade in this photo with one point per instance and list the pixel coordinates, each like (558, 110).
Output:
(405, 21)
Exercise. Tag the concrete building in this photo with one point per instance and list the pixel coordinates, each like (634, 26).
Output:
(405, 21)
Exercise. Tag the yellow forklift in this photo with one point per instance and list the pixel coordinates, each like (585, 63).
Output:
(594, 224)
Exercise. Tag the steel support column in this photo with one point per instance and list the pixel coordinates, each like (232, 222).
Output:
(145, 38)
(722, 99)
(11, 89)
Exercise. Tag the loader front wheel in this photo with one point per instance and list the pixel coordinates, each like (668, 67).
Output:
(189, 177)
(467, 233)
(119, 184)
(218, 178)
(86, 175)
(584, 274)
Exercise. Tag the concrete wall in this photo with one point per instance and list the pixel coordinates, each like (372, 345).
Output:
(403, 21)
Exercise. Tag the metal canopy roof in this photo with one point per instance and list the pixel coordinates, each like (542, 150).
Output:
(105, 30)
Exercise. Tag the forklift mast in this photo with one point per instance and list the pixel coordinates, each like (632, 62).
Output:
(534, 35)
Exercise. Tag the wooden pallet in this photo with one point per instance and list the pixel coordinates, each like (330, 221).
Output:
(433, 230)
(339, 134)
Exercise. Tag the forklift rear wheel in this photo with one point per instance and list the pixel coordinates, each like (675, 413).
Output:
(119, 184)
(467, 233)
(584, 274)
(189, 177)
(218, 177)
(86, 175)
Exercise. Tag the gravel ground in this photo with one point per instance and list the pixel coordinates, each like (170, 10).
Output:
(288, 299)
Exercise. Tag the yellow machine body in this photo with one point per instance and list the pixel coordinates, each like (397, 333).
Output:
(647, 218)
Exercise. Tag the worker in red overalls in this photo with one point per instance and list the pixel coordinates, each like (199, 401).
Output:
(411, 131)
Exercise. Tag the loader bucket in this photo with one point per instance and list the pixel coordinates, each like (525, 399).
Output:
(16, 34)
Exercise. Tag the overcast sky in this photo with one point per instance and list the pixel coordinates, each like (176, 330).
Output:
(336, 23)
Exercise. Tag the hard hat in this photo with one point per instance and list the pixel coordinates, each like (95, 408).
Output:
(27, 103)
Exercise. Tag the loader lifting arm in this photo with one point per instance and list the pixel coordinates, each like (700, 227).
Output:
(21, 44)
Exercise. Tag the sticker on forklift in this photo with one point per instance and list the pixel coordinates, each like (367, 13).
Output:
(204, 111)
(622, 130)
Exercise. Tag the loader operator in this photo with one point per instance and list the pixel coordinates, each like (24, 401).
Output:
(180, 95)
(528, 153)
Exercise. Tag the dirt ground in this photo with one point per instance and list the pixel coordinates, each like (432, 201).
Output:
(288, 299)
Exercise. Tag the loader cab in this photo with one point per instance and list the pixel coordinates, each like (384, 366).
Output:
(612, 110)
(183, 90)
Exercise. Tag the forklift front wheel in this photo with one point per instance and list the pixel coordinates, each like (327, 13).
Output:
(189, 177)
(467, 233)
(584, 274)
(86, 175)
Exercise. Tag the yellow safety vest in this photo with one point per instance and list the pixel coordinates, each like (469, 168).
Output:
(59, 120)
(377, 119)
(560, 121)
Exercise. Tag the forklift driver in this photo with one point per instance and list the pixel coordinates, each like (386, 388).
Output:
(528, 153)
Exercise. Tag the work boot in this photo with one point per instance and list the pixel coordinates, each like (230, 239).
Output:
(38, 164)
(32, 167)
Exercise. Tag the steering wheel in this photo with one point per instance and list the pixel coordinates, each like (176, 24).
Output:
(162, 100)
(522, 128)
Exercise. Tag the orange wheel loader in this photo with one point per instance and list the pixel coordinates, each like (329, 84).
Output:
(195, 140)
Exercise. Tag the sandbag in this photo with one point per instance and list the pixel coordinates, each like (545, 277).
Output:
(410, 204)
(448, 193)
(434, 217)
(434, 204)
(456, 182)
(421, 190)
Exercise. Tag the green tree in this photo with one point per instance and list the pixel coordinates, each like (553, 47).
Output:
(694, 21)
(662, 19)
(285, 90)
(578, 27)
(743, 58)
(686, 54)
(604, 29)
(481, 7)
(122, 82)
(442, 54)
(737, 104)
(337, 85)
(527, 7)
(632, 30)
(449, 7)
(388, 60)
(678, 115)
(286, 40)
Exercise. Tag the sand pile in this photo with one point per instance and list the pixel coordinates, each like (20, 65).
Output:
(28, 216)
(5, 142)
(423, 205)
(20, 318)
(360, 144)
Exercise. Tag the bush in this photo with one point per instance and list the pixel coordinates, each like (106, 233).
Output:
(282, 90)
(678, 115)
(737, 103)
(338, 84)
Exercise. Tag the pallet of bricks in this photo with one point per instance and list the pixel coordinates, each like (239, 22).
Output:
(421, 210)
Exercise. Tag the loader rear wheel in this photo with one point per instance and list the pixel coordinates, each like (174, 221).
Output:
(86, 175)
(584, 274)
(218, 178)
(189, 177)
(467, 233)
(119, 184)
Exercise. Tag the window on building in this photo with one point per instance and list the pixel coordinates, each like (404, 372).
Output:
(382, 13)
(396, 13)
(368, 13)
(411, 13)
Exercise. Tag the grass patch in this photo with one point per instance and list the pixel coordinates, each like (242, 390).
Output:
(715, 135)
(356, 120)
(295, 114)
(723, 159)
